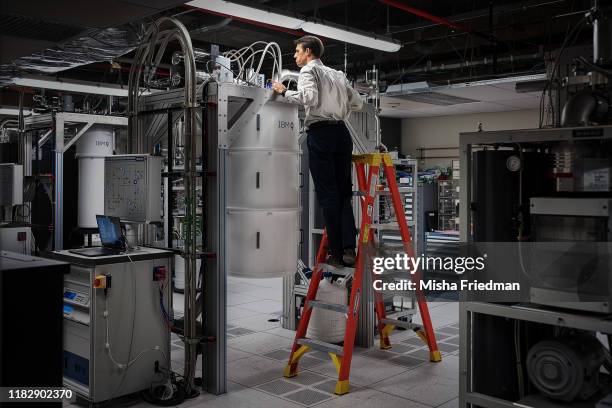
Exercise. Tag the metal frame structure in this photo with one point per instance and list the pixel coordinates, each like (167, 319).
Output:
(55, 125)
(391, 229)
(467, 141)
(469, 311)
(221, 125)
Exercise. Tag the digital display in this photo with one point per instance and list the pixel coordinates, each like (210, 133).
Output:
(69, 295)
(110, 231)
(68, 309)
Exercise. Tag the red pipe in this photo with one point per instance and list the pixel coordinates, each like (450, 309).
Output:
(427, 16)
(252, 22)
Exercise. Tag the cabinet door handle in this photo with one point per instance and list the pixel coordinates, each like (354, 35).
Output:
(257, 179)
(257, 239)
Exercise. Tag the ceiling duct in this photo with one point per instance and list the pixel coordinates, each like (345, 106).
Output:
(435, 98)
(423, 92)
(460, 93)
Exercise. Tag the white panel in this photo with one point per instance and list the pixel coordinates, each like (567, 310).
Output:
(11, 184)
(133, 187)
(16, 239)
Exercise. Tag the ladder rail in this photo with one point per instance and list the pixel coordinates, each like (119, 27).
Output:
(416, 277)
(342, 355)
(291, 369)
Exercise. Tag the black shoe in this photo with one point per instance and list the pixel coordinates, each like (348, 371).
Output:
(334, 261)
(349, 257)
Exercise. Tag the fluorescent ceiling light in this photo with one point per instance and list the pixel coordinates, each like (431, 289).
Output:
(280, 20)
(249, 13)
(13, 111)
(351, 37)
(59, 85)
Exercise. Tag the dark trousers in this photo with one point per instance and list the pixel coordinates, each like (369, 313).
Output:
(330, 151)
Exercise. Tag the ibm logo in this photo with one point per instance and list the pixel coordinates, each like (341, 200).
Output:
(105, 143)
(282, 124)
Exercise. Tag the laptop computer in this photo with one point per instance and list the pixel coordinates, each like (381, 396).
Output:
(113, 242)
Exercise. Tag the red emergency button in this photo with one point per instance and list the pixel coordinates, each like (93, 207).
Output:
(101, 282)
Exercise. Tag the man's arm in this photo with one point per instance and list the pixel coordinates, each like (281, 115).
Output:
(307, 91)
(354, 99)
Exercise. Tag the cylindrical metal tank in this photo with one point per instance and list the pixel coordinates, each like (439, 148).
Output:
(263, 178)
(263, 194)
(179, 273)
(92, 148)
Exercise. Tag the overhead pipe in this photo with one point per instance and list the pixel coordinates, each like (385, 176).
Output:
(437, 19)
(428, 16)
(478, 14)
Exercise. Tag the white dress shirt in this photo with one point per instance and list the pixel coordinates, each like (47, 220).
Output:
(325, 93)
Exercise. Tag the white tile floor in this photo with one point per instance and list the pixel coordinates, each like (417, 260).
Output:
(259, 347)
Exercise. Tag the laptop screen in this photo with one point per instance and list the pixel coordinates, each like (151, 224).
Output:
(110, 232)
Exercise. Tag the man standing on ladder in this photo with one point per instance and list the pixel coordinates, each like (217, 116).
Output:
(328, 99)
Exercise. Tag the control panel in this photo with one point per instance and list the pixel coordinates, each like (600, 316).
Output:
(76, 298)
(76, 306)
(132, 188)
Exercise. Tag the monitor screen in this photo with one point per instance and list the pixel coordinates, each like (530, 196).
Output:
(110, 231)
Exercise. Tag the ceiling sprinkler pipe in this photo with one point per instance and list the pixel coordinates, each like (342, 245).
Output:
(427, 16)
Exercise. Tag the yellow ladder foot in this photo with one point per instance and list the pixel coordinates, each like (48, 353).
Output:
(342, 387)
(435, 356)
(290, 371)
(385, 343)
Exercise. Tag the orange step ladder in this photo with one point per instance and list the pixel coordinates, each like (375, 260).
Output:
(341, 355)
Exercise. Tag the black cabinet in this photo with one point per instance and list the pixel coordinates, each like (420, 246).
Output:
(31, 318)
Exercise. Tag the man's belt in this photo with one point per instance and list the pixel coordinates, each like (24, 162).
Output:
(324, 123)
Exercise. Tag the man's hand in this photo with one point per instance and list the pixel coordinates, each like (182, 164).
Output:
(278, 87)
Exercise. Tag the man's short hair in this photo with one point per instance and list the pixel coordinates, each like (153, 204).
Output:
(312, 42)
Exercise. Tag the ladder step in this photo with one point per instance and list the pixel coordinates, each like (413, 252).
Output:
(390, 226)
(328, 306)
(346, 271)
(321, 346)
(402, 313)
(400, 323)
